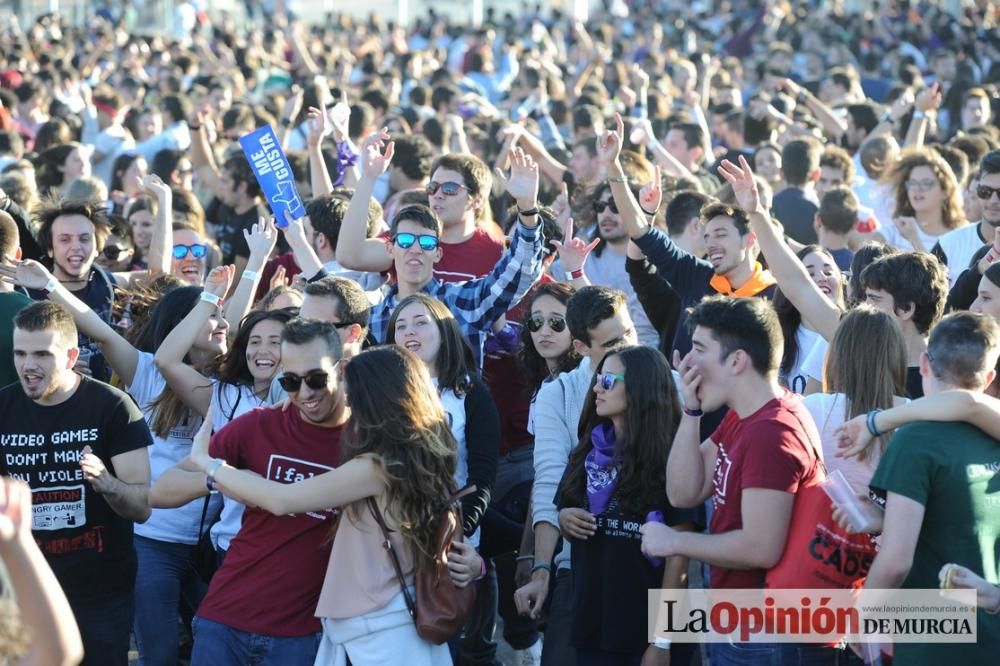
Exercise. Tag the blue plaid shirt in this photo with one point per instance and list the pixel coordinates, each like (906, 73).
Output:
(477, 304)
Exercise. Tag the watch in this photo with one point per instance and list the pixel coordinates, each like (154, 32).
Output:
(210, 473)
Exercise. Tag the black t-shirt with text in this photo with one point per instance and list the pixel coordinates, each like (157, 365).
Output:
(87, 544)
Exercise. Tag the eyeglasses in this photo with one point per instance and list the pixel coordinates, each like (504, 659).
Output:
(535, 323)
(986, 193)
(606, 380)
(921, 185)
(599, 206)
(198, 251)
(427, 242)
(315, 379)
(449, 188)
(112, 252)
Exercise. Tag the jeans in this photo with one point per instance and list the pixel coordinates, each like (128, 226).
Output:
(104, 626)
(478, 647)
(780, 654)
(165, 577)
(216, 644)
(556, 648)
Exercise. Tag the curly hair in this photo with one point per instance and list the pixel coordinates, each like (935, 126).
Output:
(534, 369)
(397, 420)
(951, 206)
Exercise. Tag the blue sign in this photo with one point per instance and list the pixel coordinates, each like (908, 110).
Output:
(269, 164)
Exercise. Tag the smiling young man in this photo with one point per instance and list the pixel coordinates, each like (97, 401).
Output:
(262, 602)
(765, 449)
(81, 446)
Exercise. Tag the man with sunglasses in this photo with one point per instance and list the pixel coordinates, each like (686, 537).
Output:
(457, 193)
(263, 598)
(955, 248)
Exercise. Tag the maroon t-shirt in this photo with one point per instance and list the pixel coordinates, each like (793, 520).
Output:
(472, 258)
(775, 448)
(271, 578)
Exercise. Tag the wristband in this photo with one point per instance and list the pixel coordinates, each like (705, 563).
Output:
(194, 127)
(531, 212)
(918, 114)
(661, 643)
(249, 275)
(693, 412)
(618, 179)
(210, 473)
(50, 286)
(541, 565)
(991, 256)
(285, 122)
(209, 297)
(886, 118)
(524, 558)
(650, 214)
(576, 275)
(870, 422)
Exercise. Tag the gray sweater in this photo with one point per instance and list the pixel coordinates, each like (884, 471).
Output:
(557, 416)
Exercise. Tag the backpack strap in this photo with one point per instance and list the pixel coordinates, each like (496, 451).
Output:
(411, 605)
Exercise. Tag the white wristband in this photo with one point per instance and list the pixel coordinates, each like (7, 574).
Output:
(209, 297)
(51, 285)
(661, 643)
(249, 275)
(918, 114)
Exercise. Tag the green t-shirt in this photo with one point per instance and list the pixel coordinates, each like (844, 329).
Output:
(953, 469)
(11, 303)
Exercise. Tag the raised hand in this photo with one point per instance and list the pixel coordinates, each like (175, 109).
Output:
(744, 185)
(316, 120)
(991, 255)
(522, 184)
(155, 187)
(375, 160)
(907, 226)
(279, 279)
(219, 280)
(902, 105)
(561, 206)
(651, 194)
(573, 252)
(261, 237)
(293, 104)
(26, 273)
(930, 98)
(340, 117)
(295, 230)
(609, 143)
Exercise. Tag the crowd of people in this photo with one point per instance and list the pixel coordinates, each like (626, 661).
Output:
(638, 286)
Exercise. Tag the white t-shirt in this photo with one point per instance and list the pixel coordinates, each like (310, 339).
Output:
(229, 402)
(179, 525)
(894, 238)
(807, 340)
(812, 366)
(958, 246)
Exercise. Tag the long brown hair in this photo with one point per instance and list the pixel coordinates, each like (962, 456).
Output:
(867, 363)
(455, 363)
(397, 419)
(653, 413)
(952, 214)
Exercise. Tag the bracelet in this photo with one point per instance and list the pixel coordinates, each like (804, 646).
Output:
(285, 122)
(990, 257)
(531, 212)
(249, 275)
(618, 179)
(210, 472)
(886, 118)
(871, 423)
(647, 212)
(209, 297)
(524, 558)
(576, 275)
(50, 286)
(918, 114)
(194, 127)
(693, 412)
(661, 643)
(539, 566)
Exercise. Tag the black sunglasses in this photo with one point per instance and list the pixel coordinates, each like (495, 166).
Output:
(112, 252)
(449, 188)
(985, 192)
(535, 323)
(315, 379)
(599, 206)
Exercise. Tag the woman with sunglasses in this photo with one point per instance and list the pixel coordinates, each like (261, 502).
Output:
(189, 255)
(399, 459)
(424, 326)
(927, 201)
(614, 482)
(546, 348)
(165, 543)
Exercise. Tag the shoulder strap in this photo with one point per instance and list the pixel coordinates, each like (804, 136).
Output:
(204, 514)
(387, 544)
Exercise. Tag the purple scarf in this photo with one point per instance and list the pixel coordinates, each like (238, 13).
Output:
(602, 468)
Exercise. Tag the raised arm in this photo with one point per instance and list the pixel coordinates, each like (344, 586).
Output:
(354, 480)
(833, 125)
(260, 238)
(792, 276)
(192, 387)
(302, 249)
(319, 176)
(355, 251)
(202, 159)
(162, 241)
(121, 356)
(609, 146)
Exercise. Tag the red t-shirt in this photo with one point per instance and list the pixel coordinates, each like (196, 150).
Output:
(469, 259)
(271, 578)
(775, 448)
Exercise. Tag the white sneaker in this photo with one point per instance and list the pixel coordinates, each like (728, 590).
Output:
(531, 656)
